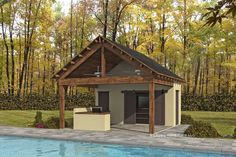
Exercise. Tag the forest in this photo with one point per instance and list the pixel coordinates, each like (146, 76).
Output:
(37, 38)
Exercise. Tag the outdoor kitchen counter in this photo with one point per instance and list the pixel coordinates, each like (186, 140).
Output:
(92, 121)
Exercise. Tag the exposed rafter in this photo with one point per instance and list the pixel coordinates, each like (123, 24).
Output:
(102, 43)
(82, 60)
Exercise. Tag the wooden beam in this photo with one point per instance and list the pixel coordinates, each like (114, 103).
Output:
(162, 82)
(62, 106)
(82, 60)
(99, 39)
(103, 62)
(104, 80)
(152, 107)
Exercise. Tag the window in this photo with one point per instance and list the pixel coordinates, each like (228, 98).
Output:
(142, 101)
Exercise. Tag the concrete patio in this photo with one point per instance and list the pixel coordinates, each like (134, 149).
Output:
(168, 138)
(138, 128)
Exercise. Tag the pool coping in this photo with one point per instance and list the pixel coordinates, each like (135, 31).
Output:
(128, 145)
(61, 135)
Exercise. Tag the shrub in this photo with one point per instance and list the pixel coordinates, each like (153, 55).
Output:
(186, 119)
(45, 102)
(216, 102)
(201, 129)
(234, 134)
(69, 123)
(38, 122)
(39, 125)
(54, 123)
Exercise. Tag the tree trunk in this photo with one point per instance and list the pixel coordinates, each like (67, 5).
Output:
(185, 44)
(185, 34)
(53, 66)
(188, 81)
(39, 75)
(31, 73)
(117, 17)
(200, 82)
(1, 68)
(12, 51)
(214, 74)
(162, 35)
(220, 73)
(196, 75)
(71, 26)
(207, 73)
(227, 72)
(105, 18)
(163, 38)
(20, 57)
(115, 21)
(26, 49)
(7, 54)
(83, 23)
(44, 73)
(28, 40)
(76, 28)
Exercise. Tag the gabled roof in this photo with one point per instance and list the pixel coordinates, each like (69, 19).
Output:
(148, 61)
(143, 59)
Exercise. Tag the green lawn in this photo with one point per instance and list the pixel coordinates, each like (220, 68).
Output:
(25, 118)
(224, 122)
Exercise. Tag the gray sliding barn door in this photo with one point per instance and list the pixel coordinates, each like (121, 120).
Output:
(103, 101)
(129, 107)
(159, 108)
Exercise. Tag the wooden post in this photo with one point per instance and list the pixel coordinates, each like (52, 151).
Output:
(103, 62)
(62, 106)
(152, 107)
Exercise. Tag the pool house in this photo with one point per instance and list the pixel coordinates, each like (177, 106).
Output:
(130, 88)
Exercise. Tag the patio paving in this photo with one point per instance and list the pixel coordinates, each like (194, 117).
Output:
(138, 128)
(168, 138)
(177, 131)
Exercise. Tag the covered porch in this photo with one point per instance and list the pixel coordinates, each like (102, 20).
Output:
(105, 65)
(114, 80)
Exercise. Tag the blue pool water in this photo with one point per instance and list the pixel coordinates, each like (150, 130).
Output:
(32, 147)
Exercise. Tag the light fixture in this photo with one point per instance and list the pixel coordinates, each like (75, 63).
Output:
(138, 72)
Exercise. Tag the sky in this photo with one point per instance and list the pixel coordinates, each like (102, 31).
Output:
(65, 5)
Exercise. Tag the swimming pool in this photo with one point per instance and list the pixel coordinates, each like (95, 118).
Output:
(32, 147)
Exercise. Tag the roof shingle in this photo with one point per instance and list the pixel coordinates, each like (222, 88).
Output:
(148, 61)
